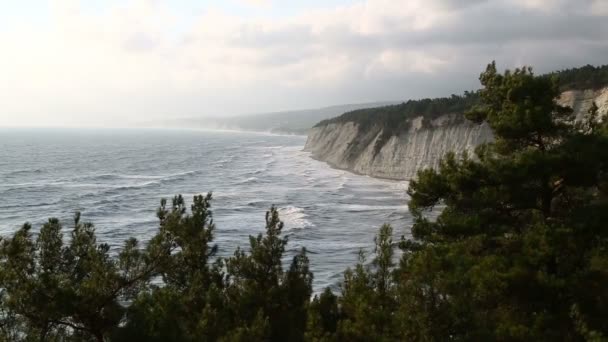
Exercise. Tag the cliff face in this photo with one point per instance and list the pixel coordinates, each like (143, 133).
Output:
(344, 145)
(580, 100)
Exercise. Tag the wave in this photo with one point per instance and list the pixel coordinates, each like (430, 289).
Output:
(135, 186)
(366, 207)
(265, 168)
(18, 186)
(4, 188)
(27, 184)
(181, 174)
(113, 176)
(294, 217)
(305, 173)
(258, 203)
(110, 176)
(379, 198)
(224, 161)
(23, 172)
(31, 205)
(257, 172)
(341, 184)
(249, 180)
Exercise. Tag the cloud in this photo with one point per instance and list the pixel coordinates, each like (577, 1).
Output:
(600, 7)
(136, 62)
(257, 3)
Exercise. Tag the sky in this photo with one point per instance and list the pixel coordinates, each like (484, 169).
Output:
(122, 63)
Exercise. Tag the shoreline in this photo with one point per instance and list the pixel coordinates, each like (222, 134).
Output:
(333, 166)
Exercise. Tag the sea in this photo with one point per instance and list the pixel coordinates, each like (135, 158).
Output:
(117, 177)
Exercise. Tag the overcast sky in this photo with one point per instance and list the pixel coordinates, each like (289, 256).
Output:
(119, 63)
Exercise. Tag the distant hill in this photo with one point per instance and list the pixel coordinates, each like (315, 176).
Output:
(287, 122)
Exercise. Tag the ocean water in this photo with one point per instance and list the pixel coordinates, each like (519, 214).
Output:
(116, 178)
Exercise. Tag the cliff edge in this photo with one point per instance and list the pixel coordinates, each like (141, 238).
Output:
(420, 141)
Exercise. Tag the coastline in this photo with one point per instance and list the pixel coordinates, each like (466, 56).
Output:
(334, 166)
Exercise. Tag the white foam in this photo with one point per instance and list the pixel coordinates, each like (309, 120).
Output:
(342, 183)
(294, 217)
(247, 180)
(365, 207)
(121, 176)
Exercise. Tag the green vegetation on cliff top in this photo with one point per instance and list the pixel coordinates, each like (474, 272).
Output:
(394, 118)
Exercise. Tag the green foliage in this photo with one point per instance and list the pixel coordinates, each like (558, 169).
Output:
(368, 299)
(323, 317)
(365, 310)
(586, 77)
(185, 307)
(393, 116)
(513, 254)
(518, 252)
(53, 290)
(248, 297)
(258, 286)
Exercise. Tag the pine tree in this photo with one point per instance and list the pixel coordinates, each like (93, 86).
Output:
(258, 286)
(53, 291)
(516, 249)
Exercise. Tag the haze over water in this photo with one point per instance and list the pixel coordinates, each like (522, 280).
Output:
(116, 178)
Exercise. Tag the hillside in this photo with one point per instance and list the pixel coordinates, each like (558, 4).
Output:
(396, 118)
(284, 122)
(396, 141)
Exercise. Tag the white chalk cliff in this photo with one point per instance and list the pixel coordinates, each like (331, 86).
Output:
(345, 146)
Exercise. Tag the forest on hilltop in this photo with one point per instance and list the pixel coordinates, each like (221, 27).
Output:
(395, 118)
(586, 77)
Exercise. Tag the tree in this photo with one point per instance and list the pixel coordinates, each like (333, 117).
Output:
(259, 289)
(248, 297)
(188, 306)
(364, 311)
(517, 248)
(53, 291)
(323, 317)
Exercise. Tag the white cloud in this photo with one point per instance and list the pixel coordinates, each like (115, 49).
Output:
(398, 62)
(599, 7)
(129, 65)
(257, 3)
